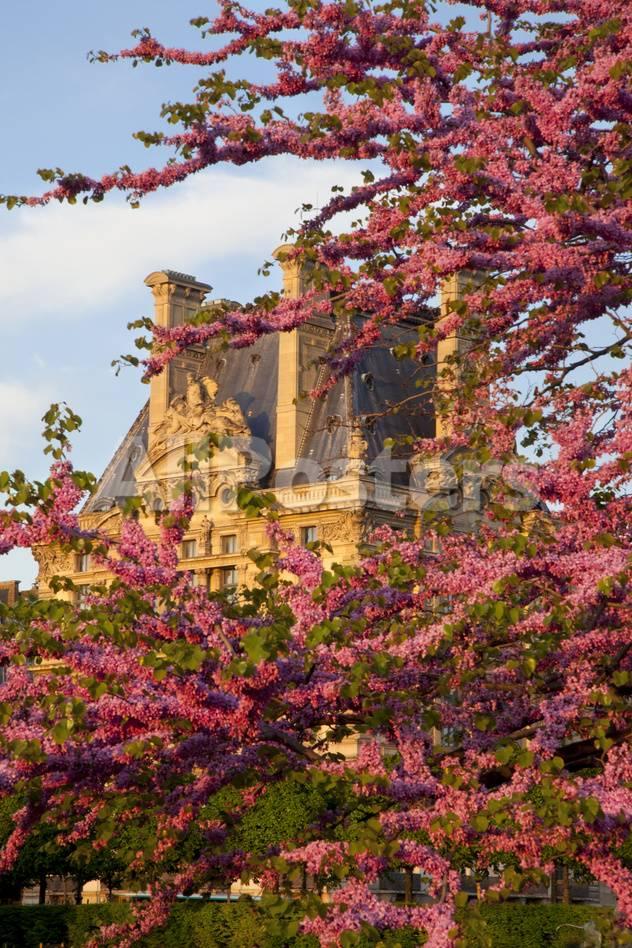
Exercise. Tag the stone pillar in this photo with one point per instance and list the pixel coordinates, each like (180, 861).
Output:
(295, 276)
(177, 298)
(298, 350)
(451, 349)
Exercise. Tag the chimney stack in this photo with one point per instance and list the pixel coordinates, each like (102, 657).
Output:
(452, 349)
(177, 298)
(291, 409)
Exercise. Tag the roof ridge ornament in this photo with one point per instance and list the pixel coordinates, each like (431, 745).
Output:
(357, 448)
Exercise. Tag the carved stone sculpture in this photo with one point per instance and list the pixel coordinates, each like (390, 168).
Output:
(52, 562)
(347, 527)
(357, 447)
(197, 413)
(206, 534)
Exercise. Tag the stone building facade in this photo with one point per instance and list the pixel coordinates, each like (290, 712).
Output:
(330, 461)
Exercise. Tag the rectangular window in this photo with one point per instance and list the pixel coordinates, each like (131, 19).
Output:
(228, 577)
(81, 592)
(229, 543)
(309, 535)
(83, 563)
(189, 549)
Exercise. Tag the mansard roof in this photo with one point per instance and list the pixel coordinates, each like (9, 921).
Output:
(250, 377)
(117, 481)
(378, 383)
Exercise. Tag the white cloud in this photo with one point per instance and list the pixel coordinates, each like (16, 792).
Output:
(60, 260)
(21, 410)
(59, 264)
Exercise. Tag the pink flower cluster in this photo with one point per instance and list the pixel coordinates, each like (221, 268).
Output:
(482, 663)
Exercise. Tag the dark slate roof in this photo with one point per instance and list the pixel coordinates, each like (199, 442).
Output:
(378, 383)
(250, 376)
(117, 481)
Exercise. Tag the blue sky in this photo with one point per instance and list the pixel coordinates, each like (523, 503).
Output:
(72, 277)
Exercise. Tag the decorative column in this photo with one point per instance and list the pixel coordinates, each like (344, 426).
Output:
(177, 298)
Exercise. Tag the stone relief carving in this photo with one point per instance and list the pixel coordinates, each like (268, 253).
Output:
(52, 562)
(105, 504)
(348, 526)
(440, 481)
(111, 524)
(197, 413)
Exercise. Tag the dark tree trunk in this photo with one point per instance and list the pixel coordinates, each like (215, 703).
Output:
(42, 889)
(553, 879)
(566, 886)
(78, 890)
(408, 885)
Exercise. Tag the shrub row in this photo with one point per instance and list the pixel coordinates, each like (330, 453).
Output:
(194, 925)
(239, 925)
(513, 925)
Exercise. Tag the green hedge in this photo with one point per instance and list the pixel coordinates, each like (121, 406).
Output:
(29, 926)
(512, 925)
(192, 924)
(239, 925)
(23, 925)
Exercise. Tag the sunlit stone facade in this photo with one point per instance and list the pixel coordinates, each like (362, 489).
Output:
(330, 461)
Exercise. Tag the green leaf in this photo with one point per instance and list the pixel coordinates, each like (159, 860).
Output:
(255, 646)
(591, 808)
(504, 754)
(469, 164)
(529, 665)
(135, 748)
(62, 730)
(526, 758)
(484, 722)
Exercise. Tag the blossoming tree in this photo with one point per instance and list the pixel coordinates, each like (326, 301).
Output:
(489, 681)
